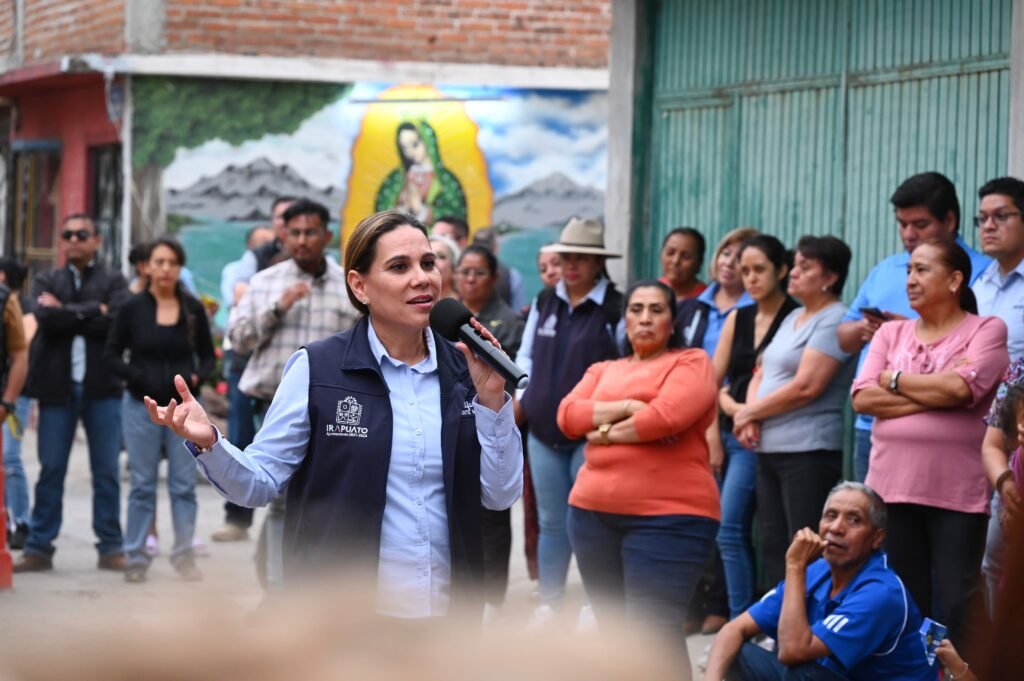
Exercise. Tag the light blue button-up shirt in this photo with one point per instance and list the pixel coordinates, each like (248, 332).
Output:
(414, 573)
(78, 342)
(1003, 296)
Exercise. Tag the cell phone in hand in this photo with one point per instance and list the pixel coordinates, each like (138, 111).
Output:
(873, 312)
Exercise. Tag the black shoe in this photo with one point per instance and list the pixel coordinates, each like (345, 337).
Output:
(16, 539)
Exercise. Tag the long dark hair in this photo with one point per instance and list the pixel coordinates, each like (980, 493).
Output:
(179, 290)
(674, 340)
(957, 260)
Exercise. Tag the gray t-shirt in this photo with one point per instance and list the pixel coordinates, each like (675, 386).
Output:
(819, 424)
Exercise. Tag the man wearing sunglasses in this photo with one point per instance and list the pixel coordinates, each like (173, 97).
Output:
(75, 306)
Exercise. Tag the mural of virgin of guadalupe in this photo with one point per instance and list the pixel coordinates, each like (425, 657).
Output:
(422, 187)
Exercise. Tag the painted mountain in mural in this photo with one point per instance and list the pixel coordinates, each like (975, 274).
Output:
(552, 200)
(246, 192)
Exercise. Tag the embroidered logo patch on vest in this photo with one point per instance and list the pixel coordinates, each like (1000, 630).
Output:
(347, 419)
(548, 329)
(467, 408)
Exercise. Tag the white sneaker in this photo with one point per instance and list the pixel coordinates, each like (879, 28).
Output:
(541, 618)
(586, 622)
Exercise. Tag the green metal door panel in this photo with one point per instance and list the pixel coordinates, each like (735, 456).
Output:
(789, 166)
(703, 45)
(802, 116)
(887, 34)
(689, 184)
(896, 130)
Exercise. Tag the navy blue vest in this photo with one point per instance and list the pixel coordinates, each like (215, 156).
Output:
(336, 498)
(564, 347)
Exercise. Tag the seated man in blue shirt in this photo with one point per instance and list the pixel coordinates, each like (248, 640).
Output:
(845, 615)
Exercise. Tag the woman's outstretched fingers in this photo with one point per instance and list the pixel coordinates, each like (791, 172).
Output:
(182, 386)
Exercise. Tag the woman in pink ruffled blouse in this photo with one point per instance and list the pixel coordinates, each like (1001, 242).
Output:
(929, 382)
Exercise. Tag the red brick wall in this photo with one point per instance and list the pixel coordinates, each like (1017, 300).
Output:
(7, 43)
(515, 32)
(57, 27)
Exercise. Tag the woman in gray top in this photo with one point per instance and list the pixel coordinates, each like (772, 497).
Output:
(793, 416)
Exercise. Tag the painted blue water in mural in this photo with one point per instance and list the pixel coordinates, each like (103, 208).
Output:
(210, 244)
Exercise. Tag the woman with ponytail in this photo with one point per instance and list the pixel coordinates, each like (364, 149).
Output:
(165, 331)
(929, 382)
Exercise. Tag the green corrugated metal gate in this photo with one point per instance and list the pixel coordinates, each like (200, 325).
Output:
(802, 116)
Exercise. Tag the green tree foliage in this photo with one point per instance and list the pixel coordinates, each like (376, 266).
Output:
(173, 113)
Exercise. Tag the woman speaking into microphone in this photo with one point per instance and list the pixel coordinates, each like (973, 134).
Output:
(387, 437)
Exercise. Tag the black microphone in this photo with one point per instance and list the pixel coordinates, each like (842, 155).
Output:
(450, 318)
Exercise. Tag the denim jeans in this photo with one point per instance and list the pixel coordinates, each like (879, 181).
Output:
(992, 563)
(757, 664)
(734, 535)
(241, 431)
(861, 453)
(643, 568)
(57, 422)
(553, 472)
(146, 441)
(15, 482)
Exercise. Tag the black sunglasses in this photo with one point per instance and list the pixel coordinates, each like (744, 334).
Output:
(80, 234)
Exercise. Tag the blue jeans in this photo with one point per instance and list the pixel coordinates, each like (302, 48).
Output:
(734, 535)
(992, 563)
(57, 422)
(553, 472)
(643, 568)
(15, 482)
(146, 441)
(757, 664)
(861, 453)
(241, 432)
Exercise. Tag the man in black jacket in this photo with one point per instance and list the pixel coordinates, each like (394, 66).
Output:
(76, 305)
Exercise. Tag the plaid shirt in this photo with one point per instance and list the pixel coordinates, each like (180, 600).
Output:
(255, 326)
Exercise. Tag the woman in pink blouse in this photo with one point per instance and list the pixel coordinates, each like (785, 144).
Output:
(929, 382)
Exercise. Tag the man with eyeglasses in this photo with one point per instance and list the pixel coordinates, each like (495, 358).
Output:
(287, 306)
(926, 207)
(76, 305)
(1000, 292)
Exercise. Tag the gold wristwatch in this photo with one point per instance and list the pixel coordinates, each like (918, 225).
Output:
(603, 429)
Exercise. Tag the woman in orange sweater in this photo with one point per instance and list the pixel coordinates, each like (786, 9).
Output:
(644, 511)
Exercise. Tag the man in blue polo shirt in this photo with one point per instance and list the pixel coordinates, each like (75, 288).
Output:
(845, 615)
(926, 207)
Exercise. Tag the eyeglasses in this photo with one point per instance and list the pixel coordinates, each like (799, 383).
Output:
(1001, 219)
(467, 272)
(80, 234)
(311, 233)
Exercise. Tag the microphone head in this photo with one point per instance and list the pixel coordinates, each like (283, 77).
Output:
(447, 316)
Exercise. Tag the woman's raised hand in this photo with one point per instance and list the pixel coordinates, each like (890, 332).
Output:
(187, 420)
(490, 386)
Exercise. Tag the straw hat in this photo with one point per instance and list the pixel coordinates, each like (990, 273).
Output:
(581, 236)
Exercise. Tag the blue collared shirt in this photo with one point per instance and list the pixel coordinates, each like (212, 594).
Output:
(886, 288)
(716, 317)
(414, 573)
(870, 627)
(1003, 296)
(524, 358)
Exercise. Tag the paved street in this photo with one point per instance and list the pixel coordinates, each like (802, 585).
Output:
(75, 595)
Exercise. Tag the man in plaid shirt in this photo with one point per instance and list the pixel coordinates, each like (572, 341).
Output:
(290, 304)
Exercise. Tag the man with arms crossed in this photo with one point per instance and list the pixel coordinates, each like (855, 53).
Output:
(843, 615)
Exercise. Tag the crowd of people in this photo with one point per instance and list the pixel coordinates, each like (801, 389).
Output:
(659, 423)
